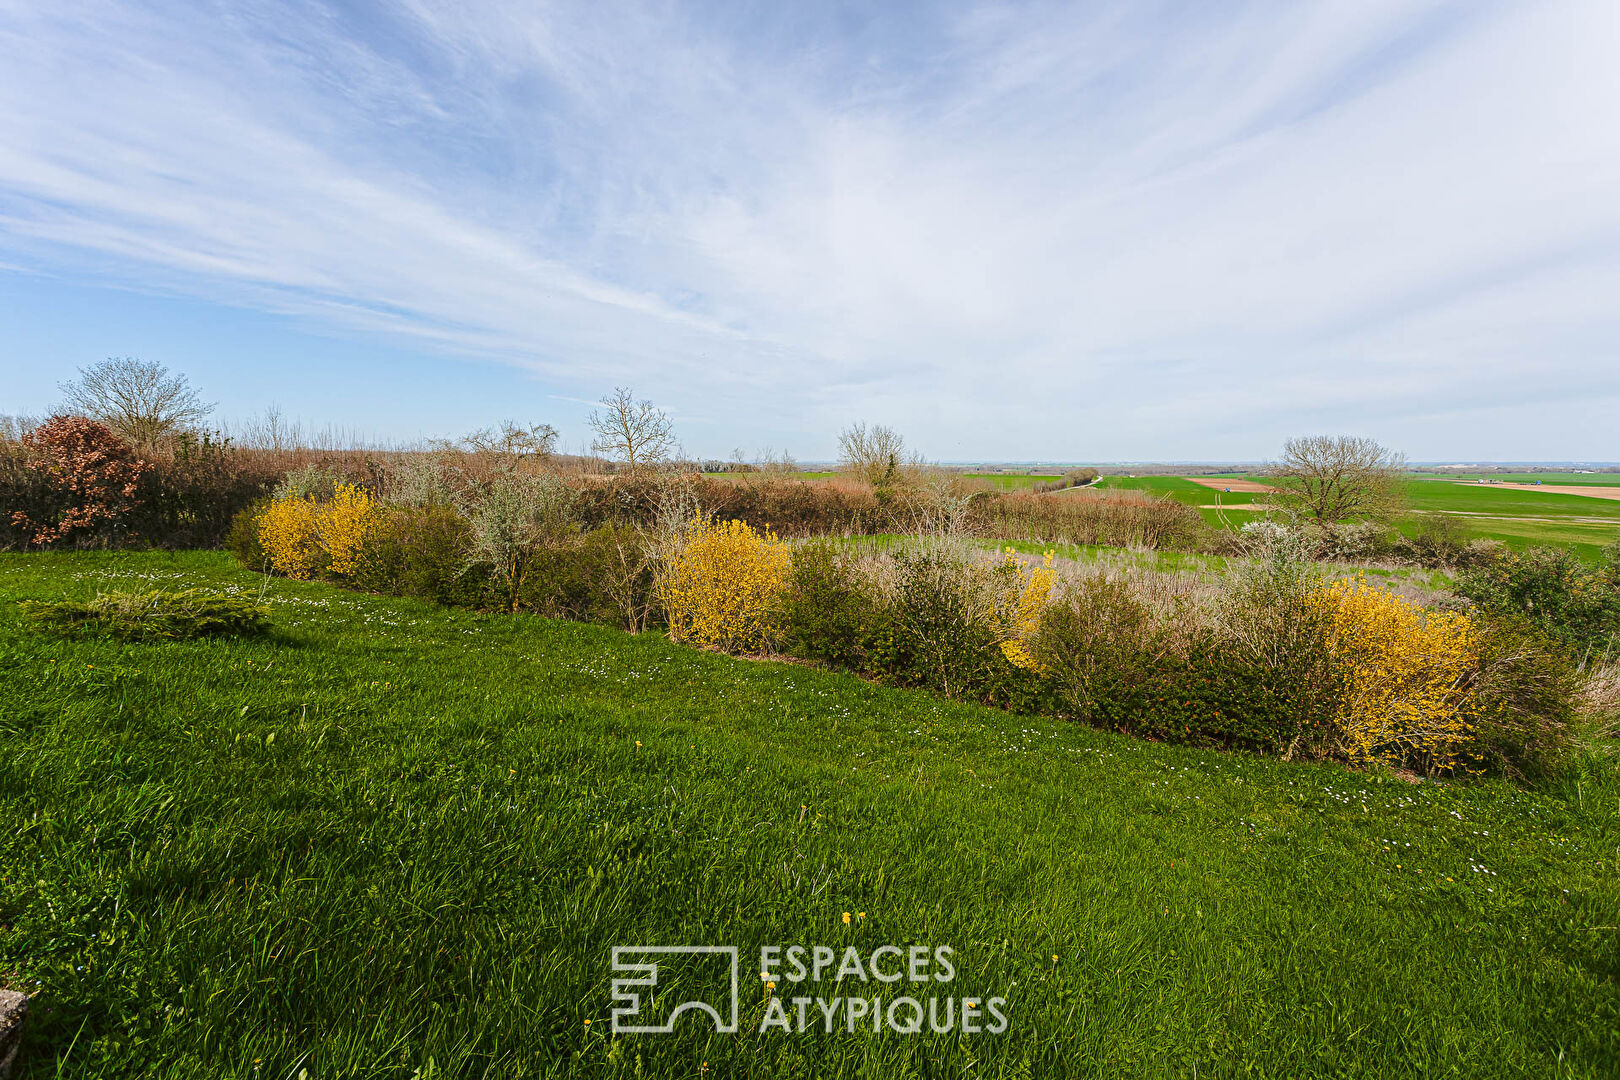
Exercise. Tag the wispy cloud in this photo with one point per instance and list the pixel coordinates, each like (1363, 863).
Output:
(1015, 230)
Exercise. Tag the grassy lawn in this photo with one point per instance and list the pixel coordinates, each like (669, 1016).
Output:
(399, 841)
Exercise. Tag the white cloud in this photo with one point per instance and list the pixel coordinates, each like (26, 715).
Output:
(1013, 231)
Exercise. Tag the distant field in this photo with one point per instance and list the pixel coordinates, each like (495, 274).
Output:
(1012, 481)
(1561, 478)
(1516, 517)
(1443, 495)
(1177, 488)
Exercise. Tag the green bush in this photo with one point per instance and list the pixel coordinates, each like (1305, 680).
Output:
(927, 626)
(242, 538)
(152, 616)
(1529, 686)
(603, 576)
(829, 613)
(1551, 590)
(421, 551)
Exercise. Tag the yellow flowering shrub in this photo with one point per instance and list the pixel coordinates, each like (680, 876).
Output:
(341, 526)
(302, 535)
(288, 535)
(1409, 678)
(721, 584)
(1017, 623)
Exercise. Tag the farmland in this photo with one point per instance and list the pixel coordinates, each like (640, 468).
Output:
(398, 840)
(1516, 517)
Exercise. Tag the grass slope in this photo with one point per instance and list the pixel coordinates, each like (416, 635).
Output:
(398, 841)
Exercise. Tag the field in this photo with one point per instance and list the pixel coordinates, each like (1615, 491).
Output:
(1516, 517)
(1013, 481)
(400, 841)
(1559, 478)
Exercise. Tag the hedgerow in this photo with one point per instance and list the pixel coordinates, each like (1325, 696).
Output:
(1276, 659)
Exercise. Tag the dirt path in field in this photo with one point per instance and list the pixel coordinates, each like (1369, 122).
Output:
(1249, 487)
(1573, 519)
(1591, 491)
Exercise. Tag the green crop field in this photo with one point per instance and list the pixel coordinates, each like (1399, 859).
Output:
(1584, 524)
(1563, 479)
(1176, 487)
(394, 840)
(1013, 481)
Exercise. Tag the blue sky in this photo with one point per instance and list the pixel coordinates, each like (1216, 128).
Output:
(1068, 231)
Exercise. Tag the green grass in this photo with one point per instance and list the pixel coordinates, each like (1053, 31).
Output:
(1517, 518)
(1013, 481)
(1443, 495)
(1611, 479)
(399, 841)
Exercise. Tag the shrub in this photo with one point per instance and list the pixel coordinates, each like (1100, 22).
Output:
(512, 517)
(1017, 606)
(603, 575)
(242, 540)
(1269, 621)
(1117, 518)
(341, 526)
(1440, 540)
(93, 479)
(152, 616)
(1409, 679)
(421, 551)
(290, 536)
(1552, 590)
(1101, 645)
(721, 586)
(1528, 691)
(828, 611)
(950, 615)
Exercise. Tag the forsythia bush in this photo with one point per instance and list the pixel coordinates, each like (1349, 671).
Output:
(341, 525)
(287, 534)
(1409, 678)
(721, 585)
(301, 535)
(1021, 617)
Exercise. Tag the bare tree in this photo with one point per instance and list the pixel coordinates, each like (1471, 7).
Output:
(1332, 478)
(637, 433)
(512, 440)
(876, 454)
(140, 400)
(271, 431)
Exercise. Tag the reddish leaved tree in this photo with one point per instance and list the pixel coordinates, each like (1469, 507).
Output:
(96, 475)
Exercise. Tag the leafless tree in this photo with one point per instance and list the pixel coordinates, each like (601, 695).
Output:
(139, 399)
(876, 454)
(271, 431)
(1330, 478)
(636, 433)
(512, 440)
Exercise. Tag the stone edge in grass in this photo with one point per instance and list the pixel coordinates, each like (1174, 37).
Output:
(13, 1010)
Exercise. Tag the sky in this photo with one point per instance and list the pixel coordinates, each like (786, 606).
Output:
(1072, 232)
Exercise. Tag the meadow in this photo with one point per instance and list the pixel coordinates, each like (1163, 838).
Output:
(399, 840)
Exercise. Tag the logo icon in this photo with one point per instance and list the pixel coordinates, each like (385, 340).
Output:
(697, 978)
